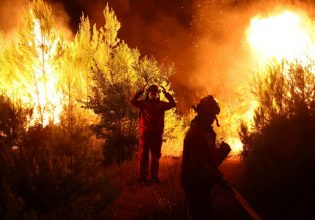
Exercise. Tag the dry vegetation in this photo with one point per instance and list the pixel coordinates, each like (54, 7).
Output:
(52, 165)
(279, 149)
(52, 150)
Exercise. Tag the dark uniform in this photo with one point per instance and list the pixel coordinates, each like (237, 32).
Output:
(151, 128)
(199, 165)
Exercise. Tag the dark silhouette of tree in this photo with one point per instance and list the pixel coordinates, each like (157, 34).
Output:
(279, 150)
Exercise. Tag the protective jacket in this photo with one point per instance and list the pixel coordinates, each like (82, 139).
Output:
(151, 127)
(199, 158)
(151, 115)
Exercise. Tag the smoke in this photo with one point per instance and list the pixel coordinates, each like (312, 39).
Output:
(9, 19)
(206, 40)
(62, 21)
(221, 52)
(158, 28)
(162, 29)
(12, 14)
(222, 62)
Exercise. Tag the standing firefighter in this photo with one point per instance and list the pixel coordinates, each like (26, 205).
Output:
(151, 128)
(199, 161)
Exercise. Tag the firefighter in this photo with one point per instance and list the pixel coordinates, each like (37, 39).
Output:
(151, 128)
(199, 162)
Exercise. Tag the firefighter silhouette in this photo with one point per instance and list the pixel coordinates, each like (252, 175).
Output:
(151, 128)
(200, 160)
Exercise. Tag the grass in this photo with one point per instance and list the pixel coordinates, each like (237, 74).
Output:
(163, 201)
(166, 200)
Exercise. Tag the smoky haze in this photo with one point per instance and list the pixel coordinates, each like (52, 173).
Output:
(206, 40)
(8, 15)
(11, 15)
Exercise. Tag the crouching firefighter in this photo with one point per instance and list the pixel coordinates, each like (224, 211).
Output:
(201, 159)
(151, 128)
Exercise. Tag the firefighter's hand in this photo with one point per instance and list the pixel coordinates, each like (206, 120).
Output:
(163, 90)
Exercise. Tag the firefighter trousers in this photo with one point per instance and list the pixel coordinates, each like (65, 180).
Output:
(150, 144)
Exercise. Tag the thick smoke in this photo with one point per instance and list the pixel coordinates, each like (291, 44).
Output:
(159, 28)
(221, 52)
(223, 63)
(9, 9)
(62, 20)
(206, 40)
(12, 12)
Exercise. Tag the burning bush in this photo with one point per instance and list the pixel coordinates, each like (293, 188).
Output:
(279, 148)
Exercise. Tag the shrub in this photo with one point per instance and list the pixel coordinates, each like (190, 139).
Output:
(279, 149)
(49, 171)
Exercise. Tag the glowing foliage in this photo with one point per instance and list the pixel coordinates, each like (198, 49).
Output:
(28, 71)
(118, 72)
(54, 76)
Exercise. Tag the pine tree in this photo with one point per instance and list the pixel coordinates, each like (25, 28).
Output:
(118, 72)
(29, 63)
(279, 150)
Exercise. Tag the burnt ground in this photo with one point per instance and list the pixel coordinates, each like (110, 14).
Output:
(166, 200)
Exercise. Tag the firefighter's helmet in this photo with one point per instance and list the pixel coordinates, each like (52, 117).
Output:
(208, 104)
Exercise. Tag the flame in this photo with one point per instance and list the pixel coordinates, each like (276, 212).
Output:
(48, 100)
(284, 35)
(236, 145)
(287, 35)
(242, 112)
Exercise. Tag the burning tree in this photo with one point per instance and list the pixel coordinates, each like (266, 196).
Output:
(279, 145)
(54, 76)
(59, 151)
(28, 65)
(279, 148)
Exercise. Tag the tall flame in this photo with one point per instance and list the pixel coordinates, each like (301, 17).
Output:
(48, 101)
(287, 35)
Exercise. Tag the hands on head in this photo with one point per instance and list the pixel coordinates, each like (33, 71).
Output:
(163, 90)
(142, 90)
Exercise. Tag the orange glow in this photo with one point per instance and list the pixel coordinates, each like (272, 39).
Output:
(287, 35)
(284, 35)
(236, 145)
(35, 81)
(48, 105)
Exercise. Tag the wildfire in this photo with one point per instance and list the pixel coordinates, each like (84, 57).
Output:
(48, 105)
(287, 35)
